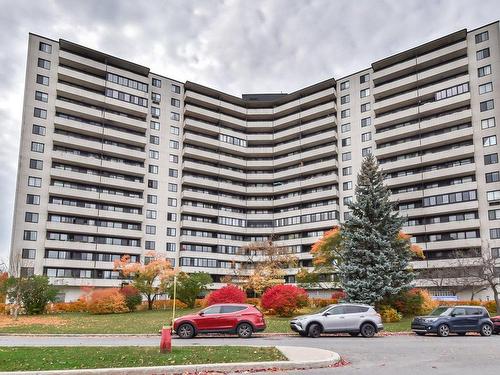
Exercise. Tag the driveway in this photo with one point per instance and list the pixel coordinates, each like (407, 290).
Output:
(405, 355)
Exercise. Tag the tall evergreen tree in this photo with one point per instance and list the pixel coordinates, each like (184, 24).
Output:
(375, 253)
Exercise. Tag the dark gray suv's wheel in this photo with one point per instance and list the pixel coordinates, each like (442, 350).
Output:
(185, 331)
(486, 330)
(244, 330)
(314, 330)
(368, 330)
(443, 330)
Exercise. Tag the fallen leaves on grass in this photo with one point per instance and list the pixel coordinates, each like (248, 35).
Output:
(7, 321)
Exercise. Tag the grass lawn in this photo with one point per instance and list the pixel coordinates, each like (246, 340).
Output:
(133, 323)
(60, 358)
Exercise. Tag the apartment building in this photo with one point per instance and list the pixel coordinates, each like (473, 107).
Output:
(115, 160)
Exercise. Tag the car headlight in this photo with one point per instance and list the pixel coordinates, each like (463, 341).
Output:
(430, 320)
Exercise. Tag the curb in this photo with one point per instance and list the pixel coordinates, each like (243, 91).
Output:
(320, 358)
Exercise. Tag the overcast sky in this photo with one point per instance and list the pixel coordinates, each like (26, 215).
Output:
(234, 46)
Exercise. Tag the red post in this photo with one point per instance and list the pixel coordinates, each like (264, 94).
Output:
(166, 340)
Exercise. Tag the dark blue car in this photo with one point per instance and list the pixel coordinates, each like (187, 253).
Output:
(458, 319)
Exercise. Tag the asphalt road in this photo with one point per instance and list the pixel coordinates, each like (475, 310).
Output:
(407, 355)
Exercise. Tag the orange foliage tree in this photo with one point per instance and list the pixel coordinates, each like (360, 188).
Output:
(150, 278)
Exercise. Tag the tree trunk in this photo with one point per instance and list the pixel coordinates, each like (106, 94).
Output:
(497, 299)
(150, 302)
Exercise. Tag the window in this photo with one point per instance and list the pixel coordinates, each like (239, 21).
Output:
(42, 80)
(30, 235)
(346, 171)
(486, 105)
(171, 246)
(152, 199)
(495, 252)
(28, 253)
(171, 216)
(484, 71)
(488, 123)
(156, 82)
(366, 151)
(482, 54)
(347, 200)
(40, 113)
(492, 177)
(34, 181)
(347, 185)
(345, 99)
(174, 130)
(493, 214)
(149, 245)
(127, 82)
(172, 187)
(44, 47)
(154, 139)
(153, 184)
(365, 107)
(452, 91)
(364, 78)
(154, 154)
(490, 141)
(37, 147)
(345, 128)
(155, 125)
(175, 116)
(173, 172)
(345, 85)
(153, 169)
(345, 113)
(366, 137)
(150, 229)
(487, 87)
(126, 97)
(491, 159)
(493, 195)
(151, 214)
(174, 144)
(41, 96)
(495, 233)
(175, 102)
(482, 37)
(38, 129)
(31, 217)
(27, 271)
(172, 202)
(44, 64)
(36, 164)
(32, 199)
(176, 89)
(173, 158)
(364, 93)
(346, 141)
(155, 112)
(155, 97)
(171, 232)
(367, 121)
(462, 196)
(346, 156)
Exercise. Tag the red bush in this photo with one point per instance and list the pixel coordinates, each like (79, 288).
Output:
(227, 294)
(284, 300)
(339, 295)
(106, 301)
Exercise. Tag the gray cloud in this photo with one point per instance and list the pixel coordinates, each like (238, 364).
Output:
(234, 46)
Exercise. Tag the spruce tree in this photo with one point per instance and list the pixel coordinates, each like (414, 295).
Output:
(375, 255)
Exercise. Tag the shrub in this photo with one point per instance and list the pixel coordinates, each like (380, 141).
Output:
(389, 314)
(106, 301)
(254, 301)
(36, 293)
(322, 302)
(79, 305)
(409, 303)
(4, 309)
(199, 302)
(339, 295)
(132, 296)
(167, 304)
(491, 306)
(284, 300)
(227, 294)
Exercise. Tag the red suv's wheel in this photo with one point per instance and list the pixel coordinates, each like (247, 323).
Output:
(185, 331)
(244, 330)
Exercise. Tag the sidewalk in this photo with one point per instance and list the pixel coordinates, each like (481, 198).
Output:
(298, 358)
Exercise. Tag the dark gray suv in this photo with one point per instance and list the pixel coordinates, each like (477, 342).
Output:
(459, 319)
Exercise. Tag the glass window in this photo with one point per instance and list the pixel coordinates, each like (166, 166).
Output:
(174, 130)
(484, 71)
(485, 88)
(346, 171)
(155, 125)
(41, 96)
(172, 202)
(40, 113)
(482, 37)
(486, 105)
(367, 121)
(31, 217)
(337, 310)
(491, 159)
(365, 107)
(366, 151)
(175, 102)
(156, 82)
(36, 164)
(155, 112)
(173, 172)
(171, 246)
(345, 85)
(42, 80)
(44, 64)
(29, 254)
(172, 187)
(45, 47)
(154, 154)
(364, 78)
(347, 185)
(153, 169)
(482, 54)
(345, 99)
(211, 310)
(153, 184)
(346, 156)
(155, 97)
(232, 309)
(30, 235)
(38, 129)
(490, 141)
(346, 141)
(152, 199)
(34, 181)
(32, 199)
(173, 158)
(364, 93)
(171, 232)
(154, 139)
(176, 89)
(366, 137)
(175, 116)
(488, 123)
(345, 128)
(345, 113)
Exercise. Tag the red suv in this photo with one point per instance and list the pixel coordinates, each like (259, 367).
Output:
(241, 319)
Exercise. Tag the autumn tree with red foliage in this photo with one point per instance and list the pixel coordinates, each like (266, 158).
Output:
(284, 300)
(227, 294)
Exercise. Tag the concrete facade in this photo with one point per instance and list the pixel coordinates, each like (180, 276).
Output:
(129, 161)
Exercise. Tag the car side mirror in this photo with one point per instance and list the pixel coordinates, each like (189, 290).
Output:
(326, 314)
(453, 315)
(201, 313)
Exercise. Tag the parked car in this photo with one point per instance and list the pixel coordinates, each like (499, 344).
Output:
(242, 319)
(459, 319)
(496, 324)
(354, 319)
